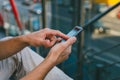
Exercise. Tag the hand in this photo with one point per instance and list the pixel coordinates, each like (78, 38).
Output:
(45, 37)
(61, 51)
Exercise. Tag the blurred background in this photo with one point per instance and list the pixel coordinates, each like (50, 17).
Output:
(96, 53)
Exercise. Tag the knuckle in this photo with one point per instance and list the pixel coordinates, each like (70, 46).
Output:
(58, 31)
(46, 29)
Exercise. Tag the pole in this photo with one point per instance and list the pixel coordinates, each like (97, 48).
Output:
(16, 14)
(44, 13)
(99, 69)
(79, 19)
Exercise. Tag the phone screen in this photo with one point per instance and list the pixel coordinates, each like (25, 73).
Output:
(74, 32)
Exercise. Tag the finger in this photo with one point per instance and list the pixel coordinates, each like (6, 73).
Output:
(67, 51)
(53, 41)
(59, 39)
(65, 56)
(57, 33)
(46, 43)
(70, 41)
(52, 38)
(66, 44)
(49, 42)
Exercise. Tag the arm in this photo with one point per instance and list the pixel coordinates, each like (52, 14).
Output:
(45, 37)
(40, 71)
(57, 54)
(11, 46)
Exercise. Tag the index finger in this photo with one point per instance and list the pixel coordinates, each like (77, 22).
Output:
(58, 33)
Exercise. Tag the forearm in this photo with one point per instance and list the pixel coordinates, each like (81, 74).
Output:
(41, 71)
(56, 55)
(11, 46)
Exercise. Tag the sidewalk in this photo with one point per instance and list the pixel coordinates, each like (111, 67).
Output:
(111, 21)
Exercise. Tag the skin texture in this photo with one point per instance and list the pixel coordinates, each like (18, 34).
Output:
(45, 37)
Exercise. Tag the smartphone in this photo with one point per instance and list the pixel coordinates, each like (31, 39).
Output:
(74, 32)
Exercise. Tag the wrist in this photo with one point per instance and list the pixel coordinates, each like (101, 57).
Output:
(23, 40)
(52, 60)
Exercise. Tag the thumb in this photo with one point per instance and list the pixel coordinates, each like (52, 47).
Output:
(46, 43)
(70, 41)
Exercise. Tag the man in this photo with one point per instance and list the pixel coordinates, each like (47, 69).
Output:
(26, 64)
